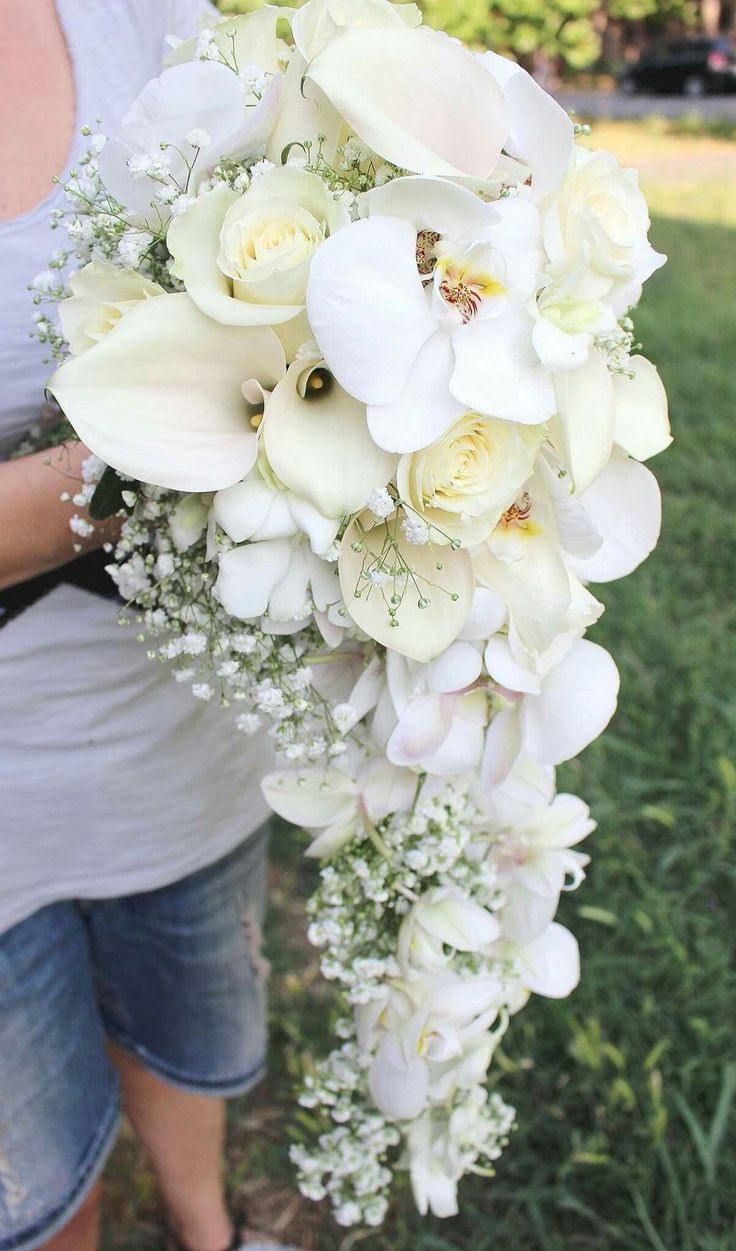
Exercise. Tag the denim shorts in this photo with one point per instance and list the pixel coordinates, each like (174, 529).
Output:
(174, 976)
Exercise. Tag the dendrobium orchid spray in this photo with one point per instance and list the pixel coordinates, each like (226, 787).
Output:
(349, 338)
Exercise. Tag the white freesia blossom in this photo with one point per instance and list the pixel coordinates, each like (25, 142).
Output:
(200, 95)
(244, 259)
(258, 509)
(279, 578)
(101, 295)
(421, 311)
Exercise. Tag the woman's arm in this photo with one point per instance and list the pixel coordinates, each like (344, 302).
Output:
(34, 521)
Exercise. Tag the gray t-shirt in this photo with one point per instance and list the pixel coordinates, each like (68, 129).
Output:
(113, 779)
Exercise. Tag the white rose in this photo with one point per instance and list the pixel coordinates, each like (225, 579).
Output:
(245, 259)
(101, 295)
(599, 223)
(318, 22)
(462, 484)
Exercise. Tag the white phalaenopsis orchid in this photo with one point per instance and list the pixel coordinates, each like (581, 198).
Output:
(421, 311)
(430, 717)
(444, 918)
(199, 100)
(536, 830)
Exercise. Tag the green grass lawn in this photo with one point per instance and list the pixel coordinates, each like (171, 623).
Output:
(625, 1092)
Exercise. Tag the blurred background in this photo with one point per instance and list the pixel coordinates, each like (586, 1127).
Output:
(625, 1093)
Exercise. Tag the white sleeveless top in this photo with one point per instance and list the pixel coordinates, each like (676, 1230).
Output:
(113, 779)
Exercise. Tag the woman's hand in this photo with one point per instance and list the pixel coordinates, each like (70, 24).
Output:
(34, 521)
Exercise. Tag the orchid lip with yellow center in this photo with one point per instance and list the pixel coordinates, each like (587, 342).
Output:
(465, 288)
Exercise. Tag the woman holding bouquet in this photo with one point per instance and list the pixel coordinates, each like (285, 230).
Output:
(133, 872)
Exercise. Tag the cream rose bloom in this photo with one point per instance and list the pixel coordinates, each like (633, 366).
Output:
(598, 228)
(462, 484)
(101, 295)
(244, 259)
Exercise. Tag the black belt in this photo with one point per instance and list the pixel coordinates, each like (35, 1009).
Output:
(87, 572)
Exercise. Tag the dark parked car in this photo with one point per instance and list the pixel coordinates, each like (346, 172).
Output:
(691, 67)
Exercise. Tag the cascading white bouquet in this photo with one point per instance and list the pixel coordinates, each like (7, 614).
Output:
(351, 336)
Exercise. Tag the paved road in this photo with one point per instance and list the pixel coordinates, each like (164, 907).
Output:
(603, 104)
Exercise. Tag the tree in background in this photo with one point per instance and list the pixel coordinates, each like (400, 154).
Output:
(546, 35)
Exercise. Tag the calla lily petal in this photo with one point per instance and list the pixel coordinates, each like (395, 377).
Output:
(625, 506)
(160, 399)
(457, 120)
(301, 423)
(642, 421)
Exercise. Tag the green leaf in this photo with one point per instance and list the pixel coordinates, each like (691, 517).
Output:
(108, 497)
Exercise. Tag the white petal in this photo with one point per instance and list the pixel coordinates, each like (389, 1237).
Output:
(321, 531)
(367, 307)
(320, 447)
(159, 398)
(497, 370)
(502, 747)
(248, 576)
(194, 243)
(399, 1087)
(462, 749)
(577, 702)
(583, 431)
(551, 965)
(422, 633)
(416, 98)
(311, 797)
(425, 409)
(642, 419)
(432, 204)
(334, 838)
(455, 669)
(386, 789)
(421, 731)
(488, 615)
(457, 921)
(558, 350)
(625, 506)
(507, 671)
(252, 508)
(542, 134)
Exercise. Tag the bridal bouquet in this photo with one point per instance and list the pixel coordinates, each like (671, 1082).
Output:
(349, 340)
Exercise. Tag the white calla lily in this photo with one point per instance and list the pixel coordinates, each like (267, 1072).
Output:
(457, 121)
(308, 413)
(377, 563)
(642, 426)
(542, 133)
(160, 397)
(318, 22)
